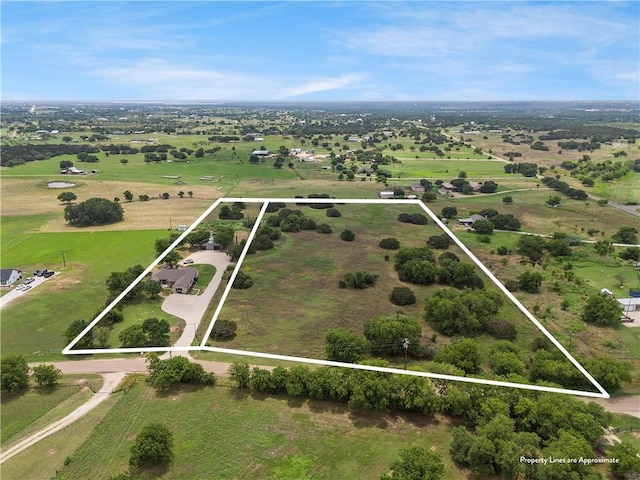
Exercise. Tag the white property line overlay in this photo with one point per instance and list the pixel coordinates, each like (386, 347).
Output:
(67, 350)
(232, 278)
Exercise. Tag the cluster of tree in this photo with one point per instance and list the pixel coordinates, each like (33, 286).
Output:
(525, 169)
(14, 374)
(580, 146)
(153, 332)
(92, 212)
(233, 212)
(563, 187)
(630, 253)
(165, 374)
(418, 265)
(539, 145)
(533, 247)
(467, 313)
(117, 282)
(12, 155)
(360, 390)
(498, 220)
(627, 235)
(359, 280)
(501, 424)
(415, 218)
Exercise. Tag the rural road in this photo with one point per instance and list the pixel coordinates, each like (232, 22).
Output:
(111, 381)
(191, 308)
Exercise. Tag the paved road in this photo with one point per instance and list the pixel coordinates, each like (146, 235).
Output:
(111, 381)
(191, 308)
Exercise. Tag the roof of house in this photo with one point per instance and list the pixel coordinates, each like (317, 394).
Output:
(172, 275)
(628, 301)
(260, 152)
(186, 280)
(5, 273)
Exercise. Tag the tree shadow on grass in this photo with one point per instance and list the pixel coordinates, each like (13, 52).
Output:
(180, 388)
(369, 419)
(147, 472)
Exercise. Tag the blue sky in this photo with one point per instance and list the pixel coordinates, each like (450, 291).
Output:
(447, 50)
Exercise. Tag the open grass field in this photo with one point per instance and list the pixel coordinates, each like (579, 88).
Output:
(446, 169)
(277, 438)
(573, 217)
(34, 324)
(29, 206)
(295, 298)
(624, 190)
(23, 414)
(43, 460)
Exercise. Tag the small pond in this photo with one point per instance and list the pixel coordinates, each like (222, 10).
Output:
(61, 184)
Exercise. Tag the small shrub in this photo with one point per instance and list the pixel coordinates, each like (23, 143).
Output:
(359, 280)
(333, 212)
(242, 281)
(389, 244)
(323, 228)
(347, 236)
(402, 296)
(512, 285)
(224, 330)
(501, 329)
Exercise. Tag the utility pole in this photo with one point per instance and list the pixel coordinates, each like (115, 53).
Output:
(64, 261)
(170, 225)
(405, 345)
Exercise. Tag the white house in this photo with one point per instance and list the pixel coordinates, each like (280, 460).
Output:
(8, 276)
(386, 194)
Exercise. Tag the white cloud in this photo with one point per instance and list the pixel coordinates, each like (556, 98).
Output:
(323, 84)
(159, 79)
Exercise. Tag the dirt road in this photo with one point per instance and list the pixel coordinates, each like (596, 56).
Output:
(111, 381)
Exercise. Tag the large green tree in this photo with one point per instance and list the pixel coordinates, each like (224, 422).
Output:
(602, 310)
(387, 333)
(416, 463)
(14, 373)
(46, 375)
(152, 446)
(344, 346)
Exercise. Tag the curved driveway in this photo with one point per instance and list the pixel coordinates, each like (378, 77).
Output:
(191, 308)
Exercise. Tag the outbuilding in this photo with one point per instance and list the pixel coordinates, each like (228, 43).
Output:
(8, 276)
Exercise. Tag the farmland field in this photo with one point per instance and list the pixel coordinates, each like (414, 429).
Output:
(276, 438)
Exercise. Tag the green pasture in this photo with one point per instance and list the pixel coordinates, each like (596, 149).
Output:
(225, 171)
(624, 190)
(34, 324)
(295, 298)
(43, 460)
(274, 437)
(445, 169)
(24, 413)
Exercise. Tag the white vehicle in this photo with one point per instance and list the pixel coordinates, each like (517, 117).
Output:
(188, 261)
(29, 280)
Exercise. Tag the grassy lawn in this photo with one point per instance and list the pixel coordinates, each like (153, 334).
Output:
(137, 311)
(204, 277)
(34, 325)
(23, 414)
(43, 460)
(274, 437)
(623, 190)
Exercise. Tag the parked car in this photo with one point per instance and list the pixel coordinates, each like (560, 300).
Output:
(48, 273)
(26, 287)
(626, 319)
(39, 273)
(188, 261)
(29, 280)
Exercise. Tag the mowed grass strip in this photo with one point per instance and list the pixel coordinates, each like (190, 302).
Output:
(34, 324)
(22, 414)
(222, 433)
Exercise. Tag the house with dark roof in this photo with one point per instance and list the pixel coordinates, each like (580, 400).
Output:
(467, 222)
(8, 276)
(180, 280)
